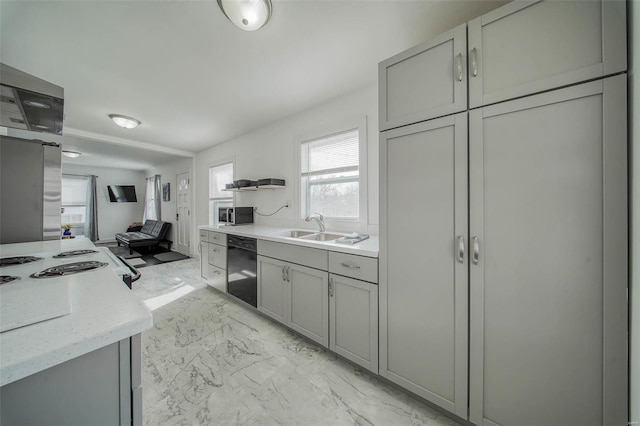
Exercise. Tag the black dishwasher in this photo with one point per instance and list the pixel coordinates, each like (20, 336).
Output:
(242, 266)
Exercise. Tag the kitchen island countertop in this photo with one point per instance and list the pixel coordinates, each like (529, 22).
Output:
(103, 311)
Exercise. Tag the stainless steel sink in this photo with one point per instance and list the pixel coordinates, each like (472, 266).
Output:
(321, 237)
(295, 233)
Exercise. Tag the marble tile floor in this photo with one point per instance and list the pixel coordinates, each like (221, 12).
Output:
(211, 361)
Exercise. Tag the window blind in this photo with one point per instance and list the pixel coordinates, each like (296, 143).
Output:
(74, 191)
(331, 154)
(219, 176)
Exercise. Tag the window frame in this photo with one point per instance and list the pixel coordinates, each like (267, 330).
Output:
(215, 202)
(337, 224)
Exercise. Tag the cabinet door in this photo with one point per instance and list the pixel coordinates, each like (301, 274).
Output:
(353, 316)
(309, 302)
(204, 259)
(548, 289)
(273, 289)
(424, 82)
(529, 47)
(218, 278)
(218, 256)
(423, 265)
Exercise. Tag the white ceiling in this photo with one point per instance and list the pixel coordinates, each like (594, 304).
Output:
(194, 79)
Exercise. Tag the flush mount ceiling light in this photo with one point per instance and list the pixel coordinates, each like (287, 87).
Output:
(124, 121)
(71, 154)
(248, 15)
(36, 104)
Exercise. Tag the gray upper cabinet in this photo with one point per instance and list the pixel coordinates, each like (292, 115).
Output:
(548, 223)
(529, 47)
(424, 82)
(423, 260)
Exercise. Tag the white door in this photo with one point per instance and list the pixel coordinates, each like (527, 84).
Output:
(183, 213)
(548, 277)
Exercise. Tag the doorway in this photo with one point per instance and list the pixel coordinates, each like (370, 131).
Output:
(183, 213)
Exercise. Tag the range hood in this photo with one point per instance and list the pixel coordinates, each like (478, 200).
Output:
(30, 103)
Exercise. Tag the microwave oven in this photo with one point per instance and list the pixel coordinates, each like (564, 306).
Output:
(235, 215)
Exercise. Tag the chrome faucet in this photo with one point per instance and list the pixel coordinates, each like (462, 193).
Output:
(318, 218)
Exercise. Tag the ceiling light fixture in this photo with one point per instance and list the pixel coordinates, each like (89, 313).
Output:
(37, 104)
(124, 121)
(248, 15)
(71, 154)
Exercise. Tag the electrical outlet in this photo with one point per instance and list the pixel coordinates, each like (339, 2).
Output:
(288, 203)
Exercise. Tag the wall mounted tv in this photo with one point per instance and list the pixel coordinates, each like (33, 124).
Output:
(122, 193)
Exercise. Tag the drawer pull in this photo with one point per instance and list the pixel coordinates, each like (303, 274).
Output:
(217, 272)
(346, 265)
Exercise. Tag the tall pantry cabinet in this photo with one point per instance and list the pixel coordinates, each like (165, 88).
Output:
(503, 299)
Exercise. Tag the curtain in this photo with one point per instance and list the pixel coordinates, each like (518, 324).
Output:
(153, 199)
(91, 220)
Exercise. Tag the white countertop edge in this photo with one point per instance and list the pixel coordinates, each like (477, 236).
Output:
(367, 248)
(35, 364)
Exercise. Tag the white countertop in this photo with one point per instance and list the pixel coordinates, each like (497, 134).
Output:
(368, 247)
(103, 312)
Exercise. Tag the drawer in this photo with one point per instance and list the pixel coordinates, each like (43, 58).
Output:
(218, 256)
(204, 235)
(314, 258)
(218, 238)
(358, 267)
(217, 278)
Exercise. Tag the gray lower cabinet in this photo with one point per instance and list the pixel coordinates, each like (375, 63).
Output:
(102, 387)
(309, 301)
(296, 296)
(548, 279)
(213, 259)
(353, 316)
(204, 259)
(273, 289)
(423, 260)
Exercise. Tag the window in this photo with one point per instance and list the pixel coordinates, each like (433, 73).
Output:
(152, 199)
(219, 176)
(74, 200)
(330, 176)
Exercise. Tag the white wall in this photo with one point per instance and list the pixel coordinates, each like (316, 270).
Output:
(113, 217)
(168, 174)
(634, 138)
(270, 152)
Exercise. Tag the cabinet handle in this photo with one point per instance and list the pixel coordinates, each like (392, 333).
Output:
(283, 277)
(476, 250)
(330, 287)
(216, 272)
(288, 277)
(474, 62)
(459, 65)
(346, 265)
(215, 250)
(460, 249)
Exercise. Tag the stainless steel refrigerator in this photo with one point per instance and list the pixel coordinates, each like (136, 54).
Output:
(30, 190)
